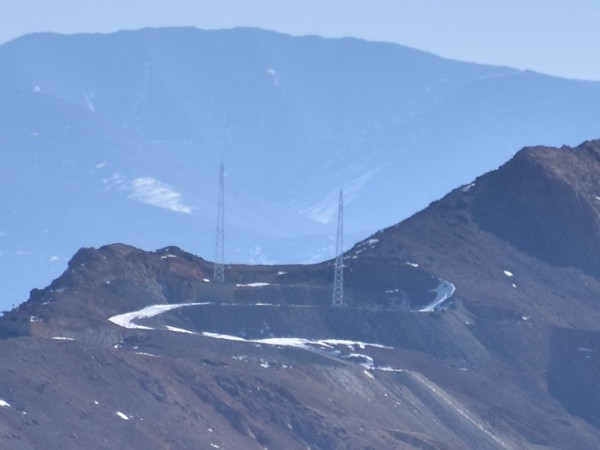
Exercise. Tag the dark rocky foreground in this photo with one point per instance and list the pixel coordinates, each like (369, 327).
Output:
(510, 360)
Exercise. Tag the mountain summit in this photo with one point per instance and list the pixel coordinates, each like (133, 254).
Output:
(555, 194)
(472, 324)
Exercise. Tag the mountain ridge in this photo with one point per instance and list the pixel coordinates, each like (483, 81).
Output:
(507, 360)
(294, 118)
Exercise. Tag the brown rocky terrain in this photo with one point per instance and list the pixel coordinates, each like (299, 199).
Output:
(472, 324)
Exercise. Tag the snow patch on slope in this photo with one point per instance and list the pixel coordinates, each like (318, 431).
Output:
(468, 187)
(325, 211)
(271, 72)
(443, 292)
(328, 347)
(297, 342)
(153, 192)
(89, 96)
(121, 415)
(126, 320)
(150, 191)
(179, 330)
(338, 348)
(257, 284)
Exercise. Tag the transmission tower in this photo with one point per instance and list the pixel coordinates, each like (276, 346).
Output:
(338, 277)
(219, 269)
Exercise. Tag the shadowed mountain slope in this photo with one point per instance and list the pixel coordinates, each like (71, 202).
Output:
(472, 324)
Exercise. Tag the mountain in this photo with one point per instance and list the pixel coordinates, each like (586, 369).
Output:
(472, 324)
(118, 138)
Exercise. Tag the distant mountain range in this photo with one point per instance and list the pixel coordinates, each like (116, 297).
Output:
(473, 324)
(118, 137)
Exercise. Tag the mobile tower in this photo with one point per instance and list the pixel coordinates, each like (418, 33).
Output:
(338, 276)
(219, 268)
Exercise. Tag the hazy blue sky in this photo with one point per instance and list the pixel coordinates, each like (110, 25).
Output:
(559, 37)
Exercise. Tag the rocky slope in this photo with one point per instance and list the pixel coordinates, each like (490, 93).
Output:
(507, 358)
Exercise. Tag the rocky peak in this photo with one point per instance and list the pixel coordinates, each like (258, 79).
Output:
(546, 202)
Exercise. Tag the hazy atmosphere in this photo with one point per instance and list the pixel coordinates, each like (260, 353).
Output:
(375, 117)
(281, 224)
(558, 37)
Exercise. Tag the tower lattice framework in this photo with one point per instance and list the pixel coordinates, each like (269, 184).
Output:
(219, 268)
(338, 277)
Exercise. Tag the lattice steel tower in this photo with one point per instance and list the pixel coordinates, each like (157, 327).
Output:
(338, 277)
(219, 269)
